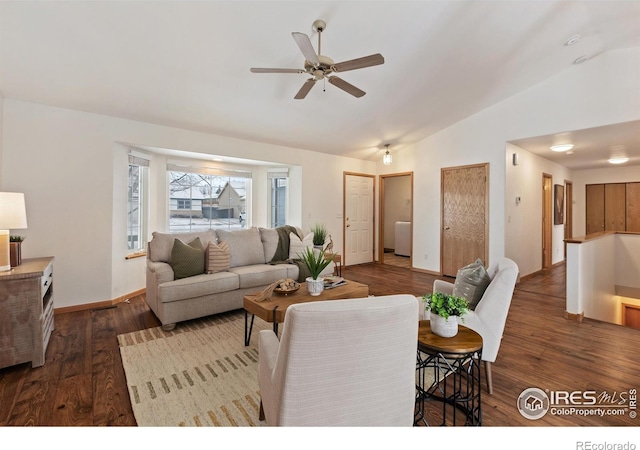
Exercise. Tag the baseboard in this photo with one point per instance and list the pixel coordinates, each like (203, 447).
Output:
(428, 272)
(574, 317)
(539, 271)
(99, 305)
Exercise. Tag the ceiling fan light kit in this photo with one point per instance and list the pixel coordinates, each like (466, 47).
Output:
(321, 67)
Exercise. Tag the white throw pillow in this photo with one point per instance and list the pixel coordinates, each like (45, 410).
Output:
(297, 246)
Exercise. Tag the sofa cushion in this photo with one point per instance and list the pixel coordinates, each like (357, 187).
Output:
(198, 286)
(471, 282)
(217, 257)
(161, 244)
(269, 237)
(187, 260)
(259, 274)
(297, 246)
(245, 246)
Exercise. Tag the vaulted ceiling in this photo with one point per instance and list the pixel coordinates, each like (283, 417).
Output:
(186, 64)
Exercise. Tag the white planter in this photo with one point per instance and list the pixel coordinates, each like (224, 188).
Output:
(315, 287)
(442, 327)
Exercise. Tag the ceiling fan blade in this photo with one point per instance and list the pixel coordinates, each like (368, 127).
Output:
(304, 90)
(306, 47)
(359, 63)
(347, 87)
(264, 70)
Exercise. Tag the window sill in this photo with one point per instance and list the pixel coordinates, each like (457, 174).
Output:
(140, 254)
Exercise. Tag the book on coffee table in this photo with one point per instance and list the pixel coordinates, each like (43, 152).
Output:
(333, 282)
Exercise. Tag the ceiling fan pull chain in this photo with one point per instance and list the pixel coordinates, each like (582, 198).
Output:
(324, 85)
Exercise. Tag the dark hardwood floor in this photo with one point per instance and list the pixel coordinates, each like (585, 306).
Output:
(82, 382)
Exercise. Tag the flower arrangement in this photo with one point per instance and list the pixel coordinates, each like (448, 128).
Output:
(445, 305)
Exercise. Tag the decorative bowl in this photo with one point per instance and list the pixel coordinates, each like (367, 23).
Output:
(289, 288)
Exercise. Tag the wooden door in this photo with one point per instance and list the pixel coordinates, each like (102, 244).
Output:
(633, 207)
(547, 219)
(595, 208)
(358, 218)
(614, 207)
(464, 217)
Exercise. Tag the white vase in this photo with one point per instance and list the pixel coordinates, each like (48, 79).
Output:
(315, 287)
(443, 327)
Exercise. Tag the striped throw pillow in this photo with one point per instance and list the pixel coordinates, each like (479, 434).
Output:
(218, 257)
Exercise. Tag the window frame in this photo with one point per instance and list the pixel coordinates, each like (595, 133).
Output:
(142, 205)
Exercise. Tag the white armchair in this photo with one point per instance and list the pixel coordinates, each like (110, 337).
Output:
(341, 363)
(490, 315)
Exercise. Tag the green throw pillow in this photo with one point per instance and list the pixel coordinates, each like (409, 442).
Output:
(187, 260)
(471, 282)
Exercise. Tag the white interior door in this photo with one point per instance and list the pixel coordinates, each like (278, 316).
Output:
(358, 219)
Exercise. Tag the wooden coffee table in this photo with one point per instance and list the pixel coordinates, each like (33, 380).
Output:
(274, 309)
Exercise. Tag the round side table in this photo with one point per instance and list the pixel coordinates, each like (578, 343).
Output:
(448, 371)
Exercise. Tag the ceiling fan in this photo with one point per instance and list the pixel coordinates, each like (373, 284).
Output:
(321, 67)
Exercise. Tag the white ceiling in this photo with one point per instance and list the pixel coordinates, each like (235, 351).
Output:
(592, 147)
(186, 64)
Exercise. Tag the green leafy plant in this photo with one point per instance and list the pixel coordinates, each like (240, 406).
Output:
(16, 238)
(446, 305)
(316, 261)
(319, 234)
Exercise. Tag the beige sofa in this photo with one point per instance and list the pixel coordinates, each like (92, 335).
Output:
(251, 250)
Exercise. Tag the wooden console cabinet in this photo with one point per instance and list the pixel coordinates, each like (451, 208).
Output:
(26, 312)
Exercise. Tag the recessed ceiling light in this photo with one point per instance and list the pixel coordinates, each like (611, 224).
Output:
(573, 40)
(619, 160)
(580, 59)
(561, 147)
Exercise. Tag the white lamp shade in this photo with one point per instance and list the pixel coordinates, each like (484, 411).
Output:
(13, 213)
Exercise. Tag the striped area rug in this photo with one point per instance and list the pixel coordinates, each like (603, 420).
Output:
(199, 374)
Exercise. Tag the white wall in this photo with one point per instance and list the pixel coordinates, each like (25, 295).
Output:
(618, 174)
(603, 91)
(70, 164)
(523, 229)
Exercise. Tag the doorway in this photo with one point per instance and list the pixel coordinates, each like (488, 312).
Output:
(547, 205)
(395, 228)
(358, 212)
(464, 217)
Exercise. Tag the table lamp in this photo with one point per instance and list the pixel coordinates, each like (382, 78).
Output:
(13, 215)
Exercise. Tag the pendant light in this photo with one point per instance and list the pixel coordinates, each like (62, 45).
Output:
(386, 159)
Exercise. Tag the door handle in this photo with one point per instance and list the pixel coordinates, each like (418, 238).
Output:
(348, 225)
(446, 228)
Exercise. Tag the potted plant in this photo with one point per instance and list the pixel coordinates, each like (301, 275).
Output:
(319, 235)
(15, 250)
(316, 262)
(444, 311)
